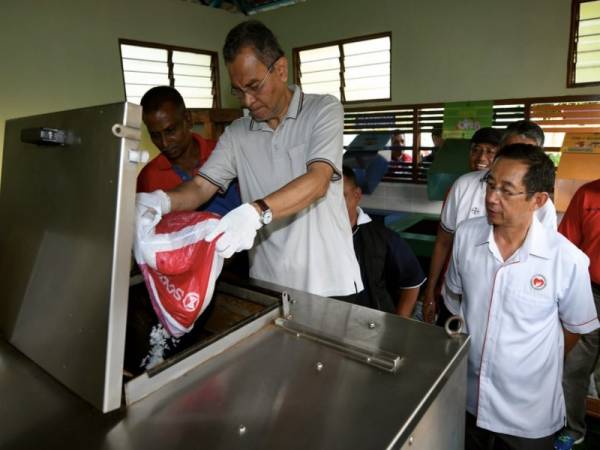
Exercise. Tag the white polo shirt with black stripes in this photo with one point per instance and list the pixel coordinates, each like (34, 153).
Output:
(312, 250)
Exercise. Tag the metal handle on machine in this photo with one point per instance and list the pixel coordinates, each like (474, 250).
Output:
(48, 136)
(452, 332)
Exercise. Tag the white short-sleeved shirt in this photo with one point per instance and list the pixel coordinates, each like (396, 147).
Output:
(312, 250)
(466, 200)
(513, 311)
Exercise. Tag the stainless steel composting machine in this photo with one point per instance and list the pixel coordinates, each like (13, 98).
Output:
(271, 368)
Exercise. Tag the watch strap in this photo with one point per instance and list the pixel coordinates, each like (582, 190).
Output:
(262, 205)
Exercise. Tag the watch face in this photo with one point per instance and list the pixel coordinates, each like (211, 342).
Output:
(267, 216)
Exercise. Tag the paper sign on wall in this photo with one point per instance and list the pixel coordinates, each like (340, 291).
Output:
(463, 119)
(581, 143)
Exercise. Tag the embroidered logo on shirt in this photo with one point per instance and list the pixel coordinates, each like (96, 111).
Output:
(475, 210)
(538, 282)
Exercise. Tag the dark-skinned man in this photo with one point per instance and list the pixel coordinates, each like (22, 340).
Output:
(524, 292)
(182, 152)
(287, 156)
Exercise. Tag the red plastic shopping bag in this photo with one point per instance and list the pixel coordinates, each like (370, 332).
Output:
(180, 268)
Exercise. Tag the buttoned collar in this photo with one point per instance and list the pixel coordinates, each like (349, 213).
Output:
(363, 217)
(293, 111)
(536, 241)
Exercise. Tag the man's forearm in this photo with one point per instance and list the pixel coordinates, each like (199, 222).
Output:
(441, 250)
(570, 340)
(190, 195)
(300, 192)
(407, 301)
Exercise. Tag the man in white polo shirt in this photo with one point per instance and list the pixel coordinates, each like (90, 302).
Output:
(524, 292)
(287, 156)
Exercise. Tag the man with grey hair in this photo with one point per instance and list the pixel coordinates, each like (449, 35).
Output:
(523, 132)
(465, 200)
(287, 156)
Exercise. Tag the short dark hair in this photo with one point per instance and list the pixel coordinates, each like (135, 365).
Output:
(541, 172)
(255, 35)
(525, 128)
(349, 174)
(487, 135)
(154, 98)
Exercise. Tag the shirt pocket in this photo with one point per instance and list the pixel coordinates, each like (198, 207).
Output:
(297, 159)
(528, 308)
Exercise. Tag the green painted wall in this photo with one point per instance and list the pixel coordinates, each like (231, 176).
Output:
(59, 55)
(448, 50)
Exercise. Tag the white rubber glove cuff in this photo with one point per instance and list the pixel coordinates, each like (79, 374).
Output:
(165, 202)
(237, 230)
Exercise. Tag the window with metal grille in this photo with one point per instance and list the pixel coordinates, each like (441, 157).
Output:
(584, 46)
(416, 124)
(194, 73)
(556, 116)
(353, 70)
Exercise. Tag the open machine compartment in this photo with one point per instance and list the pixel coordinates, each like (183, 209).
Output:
(287, 369)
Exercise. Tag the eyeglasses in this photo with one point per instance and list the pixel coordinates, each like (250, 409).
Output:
(502, 192)
(253, 91)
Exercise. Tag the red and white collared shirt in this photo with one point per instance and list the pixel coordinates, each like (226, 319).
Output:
(514, 311)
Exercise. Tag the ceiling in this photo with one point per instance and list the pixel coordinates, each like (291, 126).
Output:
(247, 7)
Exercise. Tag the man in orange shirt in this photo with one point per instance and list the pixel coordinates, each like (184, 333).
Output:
(182, 152)
(581, 225)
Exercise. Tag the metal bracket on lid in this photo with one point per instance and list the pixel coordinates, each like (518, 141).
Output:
(381, 359)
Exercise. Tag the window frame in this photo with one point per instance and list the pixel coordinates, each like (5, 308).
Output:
(572, 57)
(214, 58)
(340, 42)
(417, 172)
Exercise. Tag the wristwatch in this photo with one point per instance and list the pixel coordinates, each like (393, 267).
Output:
(265, 215)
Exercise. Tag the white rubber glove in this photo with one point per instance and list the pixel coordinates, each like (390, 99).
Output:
(149, 209)
(237, 229)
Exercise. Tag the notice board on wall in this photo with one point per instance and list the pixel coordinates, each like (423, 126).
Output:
(462, 119)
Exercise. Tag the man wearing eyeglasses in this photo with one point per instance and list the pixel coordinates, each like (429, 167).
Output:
(465, 199)
(524, 292)
(287, 156)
